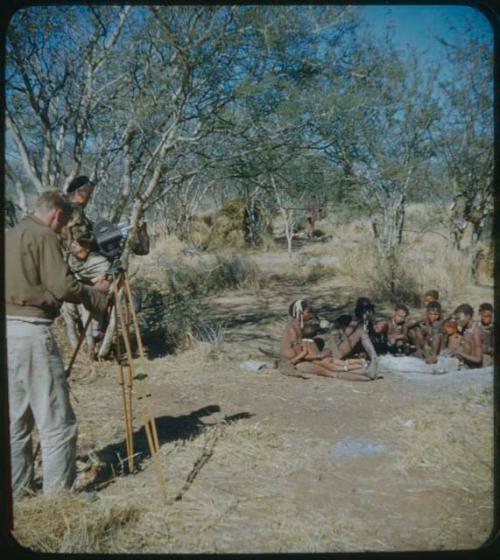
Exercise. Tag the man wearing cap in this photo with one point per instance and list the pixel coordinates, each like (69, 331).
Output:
(37, 281)
(83, 257)
(79, 227)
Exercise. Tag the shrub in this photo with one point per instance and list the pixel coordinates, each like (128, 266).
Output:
(170, 311)
(181, 278)
(394, 283)
(151, 314)
(199, 232)
(235, 227)
(183, 314)
(318, 272)
(234, 272)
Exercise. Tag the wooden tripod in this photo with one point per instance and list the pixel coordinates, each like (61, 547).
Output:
(132, 380)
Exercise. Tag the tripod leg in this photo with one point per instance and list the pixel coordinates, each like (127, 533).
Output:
(131, 369)
(145, 393)
(78, 346)
(121, 380)
(144, 363)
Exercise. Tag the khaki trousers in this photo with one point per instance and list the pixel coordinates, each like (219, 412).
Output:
(39, 395)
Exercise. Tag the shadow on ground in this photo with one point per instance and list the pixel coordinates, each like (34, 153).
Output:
(169, 428)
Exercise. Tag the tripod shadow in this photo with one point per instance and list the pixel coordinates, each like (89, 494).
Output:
(169, 428)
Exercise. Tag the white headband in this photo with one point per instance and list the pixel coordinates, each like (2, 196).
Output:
(298, 311)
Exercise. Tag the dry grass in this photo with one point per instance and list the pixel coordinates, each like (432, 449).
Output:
(247, 496)
(74, 525)
(425, 260)
(439, 436)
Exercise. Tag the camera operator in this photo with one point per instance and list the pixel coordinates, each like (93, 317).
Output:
(79, 227)
(37, 281)
(83, 257)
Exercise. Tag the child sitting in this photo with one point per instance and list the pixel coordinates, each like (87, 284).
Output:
(486, 332)
(453, 341)
(428, 334)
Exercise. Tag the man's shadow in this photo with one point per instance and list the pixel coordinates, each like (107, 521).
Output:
(169, 428)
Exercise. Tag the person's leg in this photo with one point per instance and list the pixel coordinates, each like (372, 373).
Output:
(419, 342)
(53, 414)
(353, 376)
(361, 336)
(21, 418)
(351, 363)
(344, 370)
(436, 344)
(314, 369)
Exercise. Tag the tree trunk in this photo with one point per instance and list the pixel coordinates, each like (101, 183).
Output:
(287, 215)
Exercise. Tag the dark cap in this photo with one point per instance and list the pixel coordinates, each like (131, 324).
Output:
(78, 182)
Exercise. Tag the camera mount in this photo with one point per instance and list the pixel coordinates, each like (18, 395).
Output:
(133, 380)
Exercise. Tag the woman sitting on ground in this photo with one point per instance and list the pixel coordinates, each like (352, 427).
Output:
(352, 337)
(306, 356)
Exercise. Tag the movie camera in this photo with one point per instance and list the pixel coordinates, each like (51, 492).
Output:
(111, 238)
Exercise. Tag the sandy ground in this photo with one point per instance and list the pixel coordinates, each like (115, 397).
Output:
(261, 462)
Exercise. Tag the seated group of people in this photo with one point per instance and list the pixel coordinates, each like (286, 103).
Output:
(351, 348)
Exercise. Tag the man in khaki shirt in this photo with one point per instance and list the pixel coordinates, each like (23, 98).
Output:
(37, 281)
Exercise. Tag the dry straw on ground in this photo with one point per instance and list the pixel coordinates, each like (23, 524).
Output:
(74, 525)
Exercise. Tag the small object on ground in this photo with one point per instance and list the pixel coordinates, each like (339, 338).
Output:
(253, 365)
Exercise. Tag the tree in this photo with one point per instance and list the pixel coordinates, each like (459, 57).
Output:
(464, 139)
(56, 84)
(376, 132)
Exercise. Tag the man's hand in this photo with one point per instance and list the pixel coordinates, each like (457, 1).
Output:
(102, 285)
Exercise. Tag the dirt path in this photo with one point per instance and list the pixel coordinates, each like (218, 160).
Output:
(296, 465)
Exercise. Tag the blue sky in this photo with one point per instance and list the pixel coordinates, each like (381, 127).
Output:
(416, 26)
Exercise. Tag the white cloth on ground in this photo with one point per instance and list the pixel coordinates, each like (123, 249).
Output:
(409, 364)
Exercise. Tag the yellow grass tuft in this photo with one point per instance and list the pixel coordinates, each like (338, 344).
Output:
(73, 525)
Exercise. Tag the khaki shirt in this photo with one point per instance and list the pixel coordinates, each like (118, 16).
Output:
(37, 279)
(79, 228)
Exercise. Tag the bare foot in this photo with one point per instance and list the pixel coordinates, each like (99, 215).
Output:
(372, 370)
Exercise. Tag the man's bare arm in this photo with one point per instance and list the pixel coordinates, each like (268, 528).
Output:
(476, 356)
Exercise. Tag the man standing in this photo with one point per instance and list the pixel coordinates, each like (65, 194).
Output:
(79, 226)
(83, 257)
(37, 281)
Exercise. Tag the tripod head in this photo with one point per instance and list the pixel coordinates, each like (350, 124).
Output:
(116, 267)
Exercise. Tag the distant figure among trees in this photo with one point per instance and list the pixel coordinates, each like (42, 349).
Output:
(312, 214)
